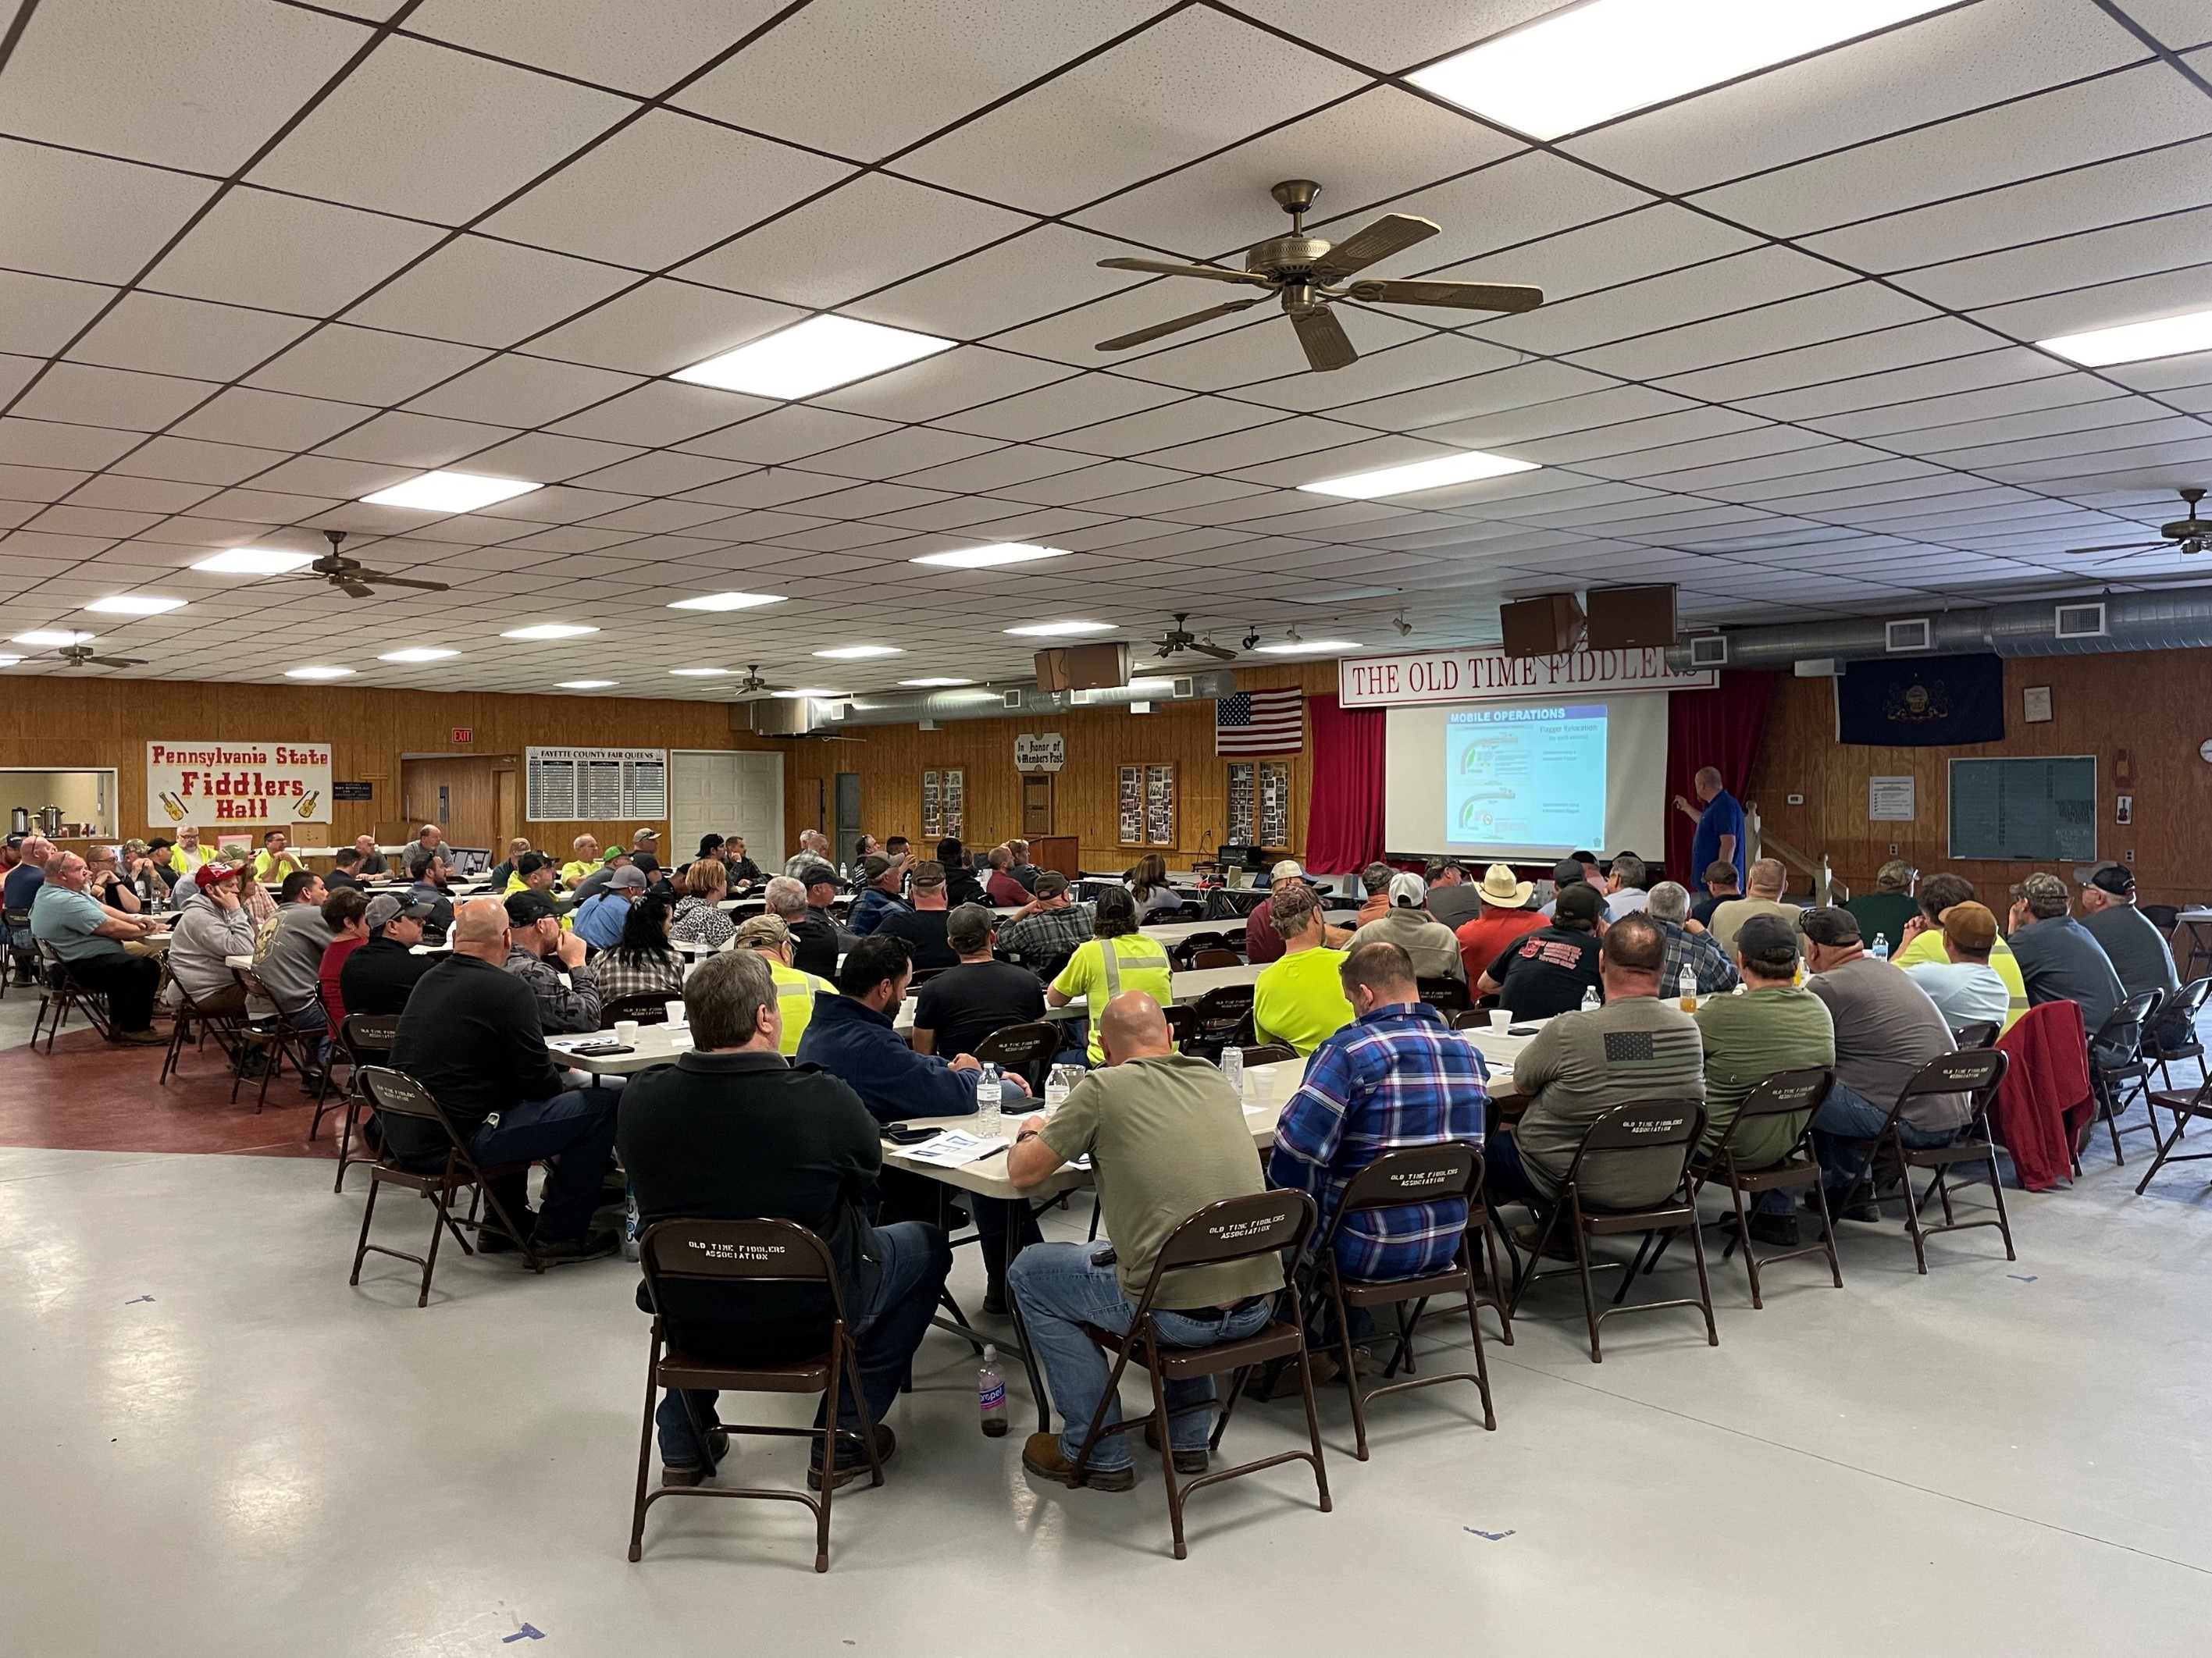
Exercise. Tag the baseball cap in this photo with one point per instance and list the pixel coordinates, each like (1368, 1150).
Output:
(819, 874)
(760, 929)
(627, 880)
(1566, 872)
(1768, 942)
(1972, 927)
(613, 852)
(213, 870)
(875, 868)
(1409, 890)
(136, 846)
(1717, 871)
(529, 907)
(1831, 924)
(389, 907)
(1288, 870)
(645, 834)
(2108, 876)
(1578, 903)
(2039, 885)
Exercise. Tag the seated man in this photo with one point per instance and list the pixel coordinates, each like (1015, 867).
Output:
(813, 848)
(851, 1035)
(89, 939)
(1775, 1025)
(594, 881)
(290, 961)
(586, 860)
(373, 861)
(744, 874)
(732, 1131)
(345, 870)
(1505, 917)
(531, 872)
(342, 914)
(1965, 988)
(1636, 1046)
(1923, 939)
(1166, 1134)
(211, 927)
(1453, 899)
(1117, 958)
(551, 962)
(1549, 971)
(470, 1035)
(2139, 951)
(1885, 913)
(1689, 945)
(961, 1007)
(1300, 1000)
(1397, 1076)
(599, 919)
(276, 860)
(1721, 885)
(803, 906)
(922, 926)
(378, 977)
(878, 898)
(1764, 885)
(1885, 1029)
(1406, 923)
(1000, 887)
(1019, 866)
(767, 937)
(504, 870)
(2060, 960)
(1624, 886)
(1048, 928)
(428, 857)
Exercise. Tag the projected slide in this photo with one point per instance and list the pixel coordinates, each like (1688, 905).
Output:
(1526, 777)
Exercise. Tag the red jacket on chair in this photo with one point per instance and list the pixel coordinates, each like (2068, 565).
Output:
(2044, 1099)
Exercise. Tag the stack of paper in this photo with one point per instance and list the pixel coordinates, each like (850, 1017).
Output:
(955, 1148)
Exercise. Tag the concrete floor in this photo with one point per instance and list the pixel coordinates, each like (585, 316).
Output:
(215, 1447)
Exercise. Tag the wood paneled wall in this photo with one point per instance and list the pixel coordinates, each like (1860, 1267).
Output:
(890, 759)
(108, 722)
(2152, 706)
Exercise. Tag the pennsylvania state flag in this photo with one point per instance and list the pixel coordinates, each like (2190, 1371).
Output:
(1921, 701)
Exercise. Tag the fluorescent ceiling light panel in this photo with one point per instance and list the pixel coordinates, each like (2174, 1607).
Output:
(938, 681)
(727, 602)
(550, 630)
(254, 561)
(985, 558)
(2168, 336)
(1590, 63)
(1463, 468)
(1297, 646)
(318, 671)
(1062, 629)
(585, 684)
(815, 692)
(813, 356)
(859, 652)
(9, 661)
(418, 654)
(697, 673)
(52, 636)
(134, 604)
(450, 492)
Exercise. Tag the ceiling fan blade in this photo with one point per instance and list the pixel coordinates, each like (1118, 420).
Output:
(384, 580)
(2120, 546)
(1218, 652)
(1215, 273)
(1324, 339)
(1123, 342)
(1465, 296)
(117, 661)
(1389, 234)
(354, 589)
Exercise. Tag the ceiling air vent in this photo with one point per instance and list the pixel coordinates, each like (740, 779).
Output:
(1013, 700)
(1185, 687)
(1918, 635)
(1709, 651)
(2079, 620)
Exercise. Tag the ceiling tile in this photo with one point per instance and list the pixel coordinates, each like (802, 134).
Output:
(482, 292)
(514, 390)
(271, 420)
(664, 412)
(364, 365)
(663, 327)
(573, 37)
(89, 217)
(40, 314)
(186, 337)
(111, 397)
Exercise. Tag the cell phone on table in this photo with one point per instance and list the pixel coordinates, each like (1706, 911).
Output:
(910, 1136)
(601, 1050)
(1520, 1030)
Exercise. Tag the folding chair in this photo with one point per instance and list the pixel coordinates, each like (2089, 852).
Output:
(1220, 1017)
(223, 1027)
(649, 1008)
(59, 992)
(1421, 1174)
(748, 1253)
(1270, 1054)
(1027, 1050)
(1235, 1229)
(2187, 1003)
(1181, 956)
(367, 1039)
(2119, 1072)
(394, 1094)
(1663, 1134)
(1447, 996)
(2186, 1104)
(1977, 1073)
(1786, 1094)
(23, 958)
(1983, 1033)
(1216, 956)
(284, 1035)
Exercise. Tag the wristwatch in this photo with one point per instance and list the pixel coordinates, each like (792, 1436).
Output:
(1027, 1134)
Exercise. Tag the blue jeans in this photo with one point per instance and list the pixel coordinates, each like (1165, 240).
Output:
(1845, 1116)
(1064, 1286)
(576, 1130)
(916, 1261)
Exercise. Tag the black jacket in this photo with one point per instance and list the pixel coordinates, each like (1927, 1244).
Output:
(741, 1137)
(379, 976)
(814, 945)
(470, 1035)
(924, 932)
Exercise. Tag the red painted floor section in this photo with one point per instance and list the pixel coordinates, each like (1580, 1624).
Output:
(90, 1095)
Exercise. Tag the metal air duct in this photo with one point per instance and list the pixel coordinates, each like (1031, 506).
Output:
(1017, 701)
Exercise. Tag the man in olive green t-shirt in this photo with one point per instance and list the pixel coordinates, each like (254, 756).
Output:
(1166, 1135)
(1773, 1026)
(1763, 890)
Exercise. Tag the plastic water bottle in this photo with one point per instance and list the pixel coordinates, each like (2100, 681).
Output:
(1056, 1085)
(1233, 1067)
(630, 1229)
(1686, 987)
(989, 1098)
(1882, 946)
(1589, 999)
(991, 1395)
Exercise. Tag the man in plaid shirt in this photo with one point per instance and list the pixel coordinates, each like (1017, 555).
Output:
(1050, 928)
(1689, 945)
(1397, 1076)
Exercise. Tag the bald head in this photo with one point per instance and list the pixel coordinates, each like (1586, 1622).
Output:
(1766, 878)
(1133, 1028)
(480, 929)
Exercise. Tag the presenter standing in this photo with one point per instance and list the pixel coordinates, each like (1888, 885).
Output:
(1719, 839)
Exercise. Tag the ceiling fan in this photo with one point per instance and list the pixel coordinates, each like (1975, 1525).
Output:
(2188, 535)
(1306, 273)
(349, 576)
(81, 656)
(752, 688)
(1179, 639)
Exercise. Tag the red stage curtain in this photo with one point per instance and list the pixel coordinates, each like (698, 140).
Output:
(1723, 728)
(1343, 816)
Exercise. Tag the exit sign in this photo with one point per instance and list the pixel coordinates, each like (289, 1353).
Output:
(463, 734)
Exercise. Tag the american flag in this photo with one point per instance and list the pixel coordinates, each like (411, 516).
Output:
(1259, 722)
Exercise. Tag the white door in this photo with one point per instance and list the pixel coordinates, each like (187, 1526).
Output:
(727, 793)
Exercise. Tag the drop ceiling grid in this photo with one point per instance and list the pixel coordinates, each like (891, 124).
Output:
(175, 424)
